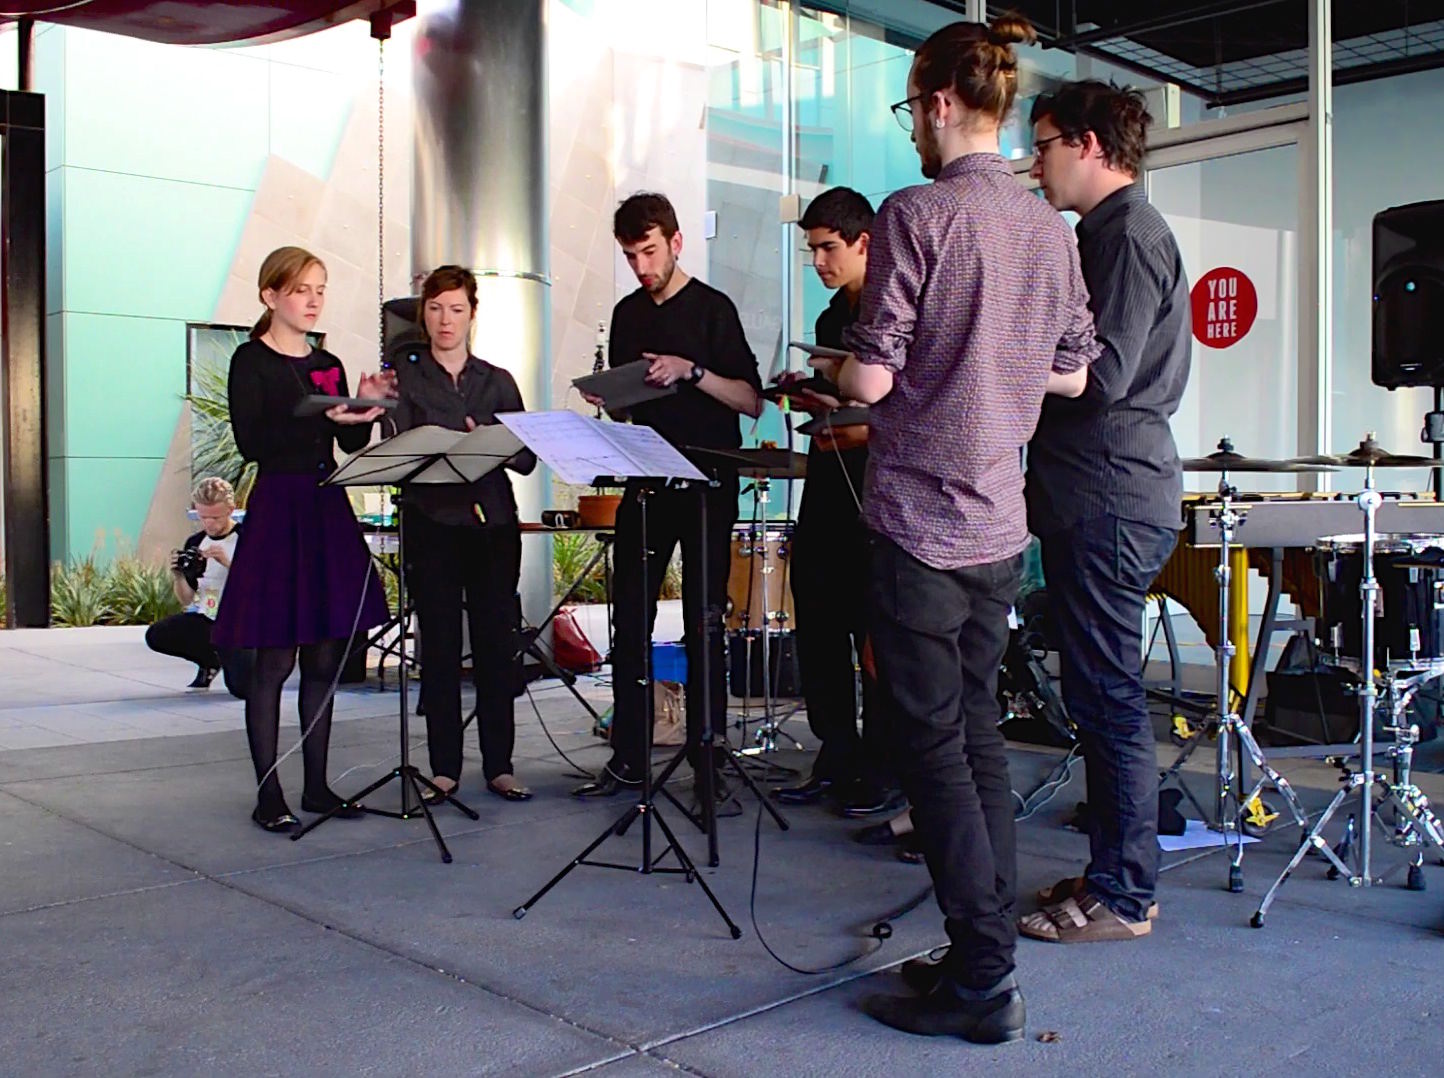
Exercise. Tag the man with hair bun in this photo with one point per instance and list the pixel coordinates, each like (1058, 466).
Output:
(1104, 482)
(974, 307)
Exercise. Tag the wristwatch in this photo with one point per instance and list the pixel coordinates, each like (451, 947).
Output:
(696, 374)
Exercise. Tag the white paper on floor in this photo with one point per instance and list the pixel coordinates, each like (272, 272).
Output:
(1196, 836)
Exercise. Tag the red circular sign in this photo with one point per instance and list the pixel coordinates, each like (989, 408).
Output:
(1225, 304)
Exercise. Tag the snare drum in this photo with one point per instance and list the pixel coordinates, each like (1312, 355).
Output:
(1409, 610)
(759, 585)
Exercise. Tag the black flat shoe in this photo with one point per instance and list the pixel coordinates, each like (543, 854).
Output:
(345, 810)
(807, 793)
(283, 824)
(431, 797)
(516, 793)
(204, 676)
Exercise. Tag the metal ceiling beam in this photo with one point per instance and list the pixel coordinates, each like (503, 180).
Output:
(1155, 23)
(1346, 76)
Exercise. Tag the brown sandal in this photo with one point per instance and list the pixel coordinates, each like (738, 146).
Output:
(1074, 887)
(1080, 920)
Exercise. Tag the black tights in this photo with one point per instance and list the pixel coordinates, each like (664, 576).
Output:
(319, 665)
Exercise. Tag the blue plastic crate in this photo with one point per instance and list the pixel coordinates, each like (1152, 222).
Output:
(669, 662)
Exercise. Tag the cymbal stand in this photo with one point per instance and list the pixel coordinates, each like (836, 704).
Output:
(770, 729)
(1414, 821)
(1230, 803)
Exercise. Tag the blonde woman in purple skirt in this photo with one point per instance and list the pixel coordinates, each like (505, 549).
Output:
(301, 580)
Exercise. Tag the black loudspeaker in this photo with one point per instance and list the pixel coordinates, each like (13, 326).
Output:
(405, 339)
(1409, 296)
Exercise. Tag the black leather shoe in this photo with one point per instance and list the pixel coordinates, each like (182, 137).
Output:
(875, 803)
(608, 783)
(807, 793)
(998, 1019)
(923, 973)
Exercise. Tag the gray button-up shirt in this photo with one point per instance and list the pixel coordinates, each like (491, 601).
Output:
(973, 295)
(1111, 451)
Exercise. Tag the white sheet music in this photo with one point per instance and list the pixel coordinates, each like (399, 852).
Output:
(579, 448)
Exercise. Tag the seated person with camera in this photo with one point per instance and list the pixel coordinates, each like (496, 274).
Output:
(198, 575)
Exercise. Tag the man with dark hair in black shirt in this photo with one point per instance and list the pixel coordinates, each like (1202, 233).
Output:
(689, 335)
(830, 542)
(1103, 488)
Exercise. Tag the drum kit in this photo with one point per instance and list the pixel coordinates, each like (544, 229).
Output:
(1382, 619)
(759, 617)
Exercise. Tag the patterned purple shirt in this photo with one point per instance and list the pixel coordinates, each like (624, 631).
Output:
(973, 295)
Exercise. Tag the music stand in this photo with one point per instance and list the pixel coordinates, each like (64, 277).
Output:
(422, 456)
(585, 451)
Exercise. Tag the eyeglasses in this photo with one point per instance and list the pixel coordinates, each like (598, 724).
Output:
(903, 111)
(1042, 142)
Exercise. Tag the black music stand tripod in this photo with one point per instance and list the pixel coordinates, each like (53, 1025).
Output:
(646, 808)
(423, 456)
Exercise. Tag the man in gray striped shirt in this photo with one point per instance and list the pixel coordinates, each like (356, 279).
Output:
(1103, 488)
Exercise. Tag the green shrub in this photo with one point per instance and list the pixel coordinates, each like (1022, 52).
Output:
(570, 553)
(213, 443)
(137, 593)
(78, 593)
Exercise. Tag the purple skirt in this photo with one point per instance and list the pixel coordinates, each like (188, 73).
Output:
(299, 569)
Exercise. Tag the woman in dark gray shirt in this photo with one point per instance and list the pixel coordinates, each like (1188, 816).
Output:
(463, 541)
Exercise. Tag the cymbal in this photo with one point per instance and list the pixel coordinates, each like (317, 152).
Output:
(1369, 454)
(1229, 461)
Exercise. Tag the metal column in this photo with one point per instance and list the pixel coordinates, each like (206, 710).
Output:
(479, 199)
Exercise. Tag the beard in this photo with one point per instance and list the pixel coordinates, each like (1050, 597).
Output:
(930, 155)
(663, 278)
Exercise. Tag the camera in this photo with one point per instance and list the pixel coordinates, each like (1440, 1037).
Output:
(190, 563)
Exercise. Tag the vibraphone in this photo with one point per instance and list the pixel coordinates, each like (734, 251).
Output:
(1275, 536)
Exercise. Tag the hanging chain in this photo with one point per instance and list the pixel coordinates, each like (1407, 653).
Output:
(381, 197)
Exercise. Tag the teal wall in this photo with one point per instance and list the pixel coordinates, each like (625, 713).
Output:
(153, 157)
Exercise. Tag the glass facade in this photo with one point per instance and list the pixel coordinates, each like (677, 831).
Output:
(162, 204)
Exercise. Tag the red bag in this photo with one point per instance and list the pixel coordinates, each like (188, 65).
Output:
(572, 649)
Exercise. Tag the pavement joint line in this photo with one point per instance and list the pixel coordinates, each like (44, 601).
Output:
(224, 881)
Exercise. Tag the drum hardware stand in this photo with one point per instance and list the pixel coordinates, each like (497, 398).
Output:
(1230, 725)
(1414, 821)
(770, 729)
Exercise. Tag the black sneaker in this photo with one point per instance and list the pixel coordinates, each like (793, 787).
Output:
(999, 1017)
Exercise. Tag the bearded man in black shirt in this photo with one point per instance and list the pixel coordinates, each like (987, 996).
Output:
(689, 335)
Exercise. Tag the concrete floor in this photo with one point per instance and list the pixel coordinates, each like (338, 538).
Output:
(146, 927)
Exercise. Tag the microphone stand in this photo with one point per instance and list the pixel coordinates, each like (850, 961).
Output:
(597, 358)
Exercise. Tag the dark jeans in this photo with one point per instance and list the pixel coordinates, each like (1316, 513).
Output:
(672, 518)
(445, 562)
(828, 546)
(188, 636)
(1098, 574)
(938, 637)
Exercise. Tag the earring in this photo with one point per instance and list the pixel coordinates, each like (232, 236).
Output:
(938, 123)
